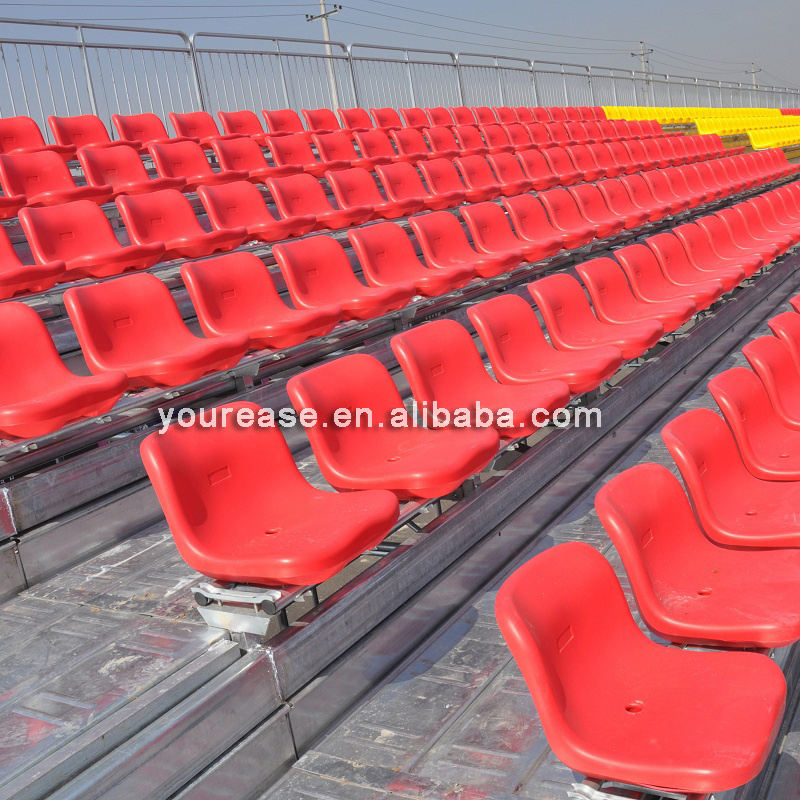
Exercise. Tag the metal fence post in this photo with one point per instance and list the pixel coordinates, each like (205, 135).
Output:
(198, 84)
(87, 71)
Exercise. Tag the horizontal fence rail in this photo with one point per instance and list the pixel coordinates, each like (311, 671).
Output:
(63, 69)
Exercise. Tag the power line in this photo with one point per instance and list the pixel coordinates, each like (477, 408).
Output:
(188, 7)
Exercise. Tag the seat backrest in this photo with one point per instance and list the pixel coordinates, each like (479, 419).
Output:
(606, 283)
(439, 116)
(489, 226)
(354, 187)
(524, 114)
(507, 167)
(128, 318)
(469, 137)
(441, 237)
(194, 124)
(517, 134)
(374, 144)
(244, 122)
(30, 174)
(557, 113)
(386, 117)
(283, 120)
(557, 614)
(639, 190)
(334, 146)
(298, 195)
(463, 115)
(441, 175)
(9, 259)
(558, 160)
(180, 160)
(494, 135)
(78, 131)
(562, 208)
(316, 269)
(441, 138)
(541, 114)
(401, 181)
(475, 171)
(230, 205)
(355, 118)
(32, 366)
(669, 250)
(16, 132)
(319, 119)
(504, 114)
(640, 265)
(230, 290)
(242, 153)
(484, 115)
(415, 117)
(562, 302)
(112, 166)
(537, 131)
(602, 155)
(529, 217)
(205, 476)
(291, 150)
(535, 164)
(441, 363)
(158, 216)
(385, 252)
(786, 327)
(409, 141)
(66, 231)
(139, 127)
(591, 202)
(581, 157)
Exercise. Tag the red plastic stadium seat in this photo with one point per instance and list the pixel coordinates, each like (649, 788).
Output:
(745, 236)
(605, 160)
(496, 139)
(479, 179)
(519, 352)
(531, 224)
(662, 190)
(302, 195)
(734, 507)
(614, 301)
(582, 159)
(188, 161)
(652, 285)
(639, 154)
(133, 325)
(234, 293)
(619, 202)
(121, 168)
(572, 325)
(769, 449)
(524, 114)
(594, 208)
(541, 114)
(39, 394)
(387, 258)
(561, 165)
(559, 134)
(504, 114)
(45, 180)
(699, 247)
(386, 118)
(21, 135)
(295, 151)
(18, 278)
(786, 327)
(675, 263)
(439, 116)
(537, 131)
(402, 182)
(318, 273)
(578, 133)
(322, 120)
(411, 143)
(658, 156)
(444, 367)
(636, 712)
(444, 244)
(243, 154)
(411, 461)
(414, 118)
(199, 125)
(762, 226)
(377, 145)
(518, 136)
(642, 197)
(356, 119)
(484, 115)
(244, 123)
(563, 211)
(443, 179)
(84, 132)
(470, 140)
(538, 169)
(240, 510)
(10, 205)
(80, 235)
(356, 188)
(167, 217)
(334, 148)
(492, 234)
(463, 115)
(284, 122)
(688, 588)
(509, 172)
(145, 128)
(442, 142)
(241, 205)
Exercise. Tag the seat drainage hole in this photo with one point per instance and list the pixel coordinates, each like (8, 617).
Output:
(705, 592)
(634, 708)
(783, 455)
(271, 531)
(393, 458)
(750, 513)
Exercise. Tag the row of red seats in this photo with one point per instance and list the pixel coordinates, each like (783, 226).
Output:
(41, 177)
(790, 111)
(75, 240)
(442, 365)
(720, 568)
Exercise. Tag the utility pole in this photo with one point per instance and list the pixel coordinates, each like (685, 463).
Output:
(642, 54)
(752, 71)
(323, 15)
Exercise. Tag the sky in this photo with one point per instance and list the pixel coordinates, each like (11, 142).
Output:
(717, 39)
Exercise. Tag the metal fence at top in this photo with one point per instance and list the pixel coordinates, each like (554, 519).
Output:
(66, 69)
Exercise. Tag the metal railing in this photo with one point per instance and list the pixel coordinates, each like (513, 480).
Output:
(65, 69)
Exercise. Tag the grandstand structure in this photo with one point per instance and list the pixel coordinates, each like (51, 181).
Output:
(242, 282)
